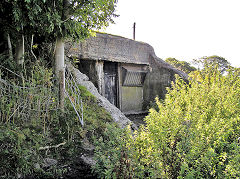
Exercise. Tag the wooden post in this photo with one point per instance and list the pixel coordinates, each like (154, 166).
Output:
(134, 30)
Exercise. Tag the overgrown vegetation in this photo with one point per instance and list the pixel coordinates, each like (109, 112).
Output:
(37, 139)
(194, 133)
(181, 65)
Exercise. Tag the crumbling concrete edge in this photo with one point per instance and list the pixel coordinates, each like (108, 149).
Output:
(116, 114)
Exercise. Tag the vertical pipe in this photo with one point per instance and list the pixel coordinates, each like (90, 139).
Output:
(60, 70)
(61, 89)
(134, 30)
(20, 51)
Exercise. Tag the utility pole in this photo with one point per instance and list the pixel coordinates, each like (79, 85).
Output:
(134, 30)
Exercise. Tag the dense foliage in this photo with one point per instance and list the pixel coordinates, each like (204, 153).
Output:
(193, 133)
(49, 19)
(213, 61)
(37, 139)
(181, 65)
(28, 23)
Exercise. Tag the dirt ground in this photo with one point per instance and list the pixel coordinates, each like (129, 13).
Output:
(137, 119)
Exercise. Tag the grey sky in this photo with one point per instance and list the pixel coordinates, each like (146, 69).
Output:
(184, 29)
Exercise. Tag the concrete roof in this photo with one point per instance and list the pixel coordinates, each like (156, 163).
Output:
(117, 49)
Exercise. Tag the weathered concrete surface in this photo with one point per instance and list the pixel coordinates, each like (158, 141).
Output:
(112, 48)
(105, 48)
(154, 60)
(116, 114)
(117, 49)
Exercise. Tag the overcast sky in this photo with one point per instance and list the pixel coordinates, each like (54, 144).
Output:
(183, 29)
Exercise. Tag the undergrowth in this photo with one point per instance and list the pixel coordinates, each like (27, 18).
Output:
(37, 139)
(193, 133)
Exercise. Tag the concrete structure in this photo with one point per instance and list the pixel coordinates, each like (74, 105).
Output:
(126, 72)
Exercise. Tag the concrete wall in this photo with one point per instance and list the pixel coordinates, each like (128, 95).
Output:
(132, 55)
(132, 99)
(112, 48)
(106, 47)
(94, 70)
(88, 67)
(156, 82)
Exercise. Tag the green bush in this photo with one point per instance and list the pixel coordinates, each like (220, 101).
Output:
(193, 133)
(111, 154)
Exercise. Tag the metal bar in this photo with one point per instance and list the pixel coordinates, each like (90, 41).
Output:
(73, 87)
(81, 121)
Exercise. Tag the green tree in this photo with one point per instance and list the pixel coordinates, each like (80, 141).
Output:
(181, 65)
(52, 20)
(213, 61)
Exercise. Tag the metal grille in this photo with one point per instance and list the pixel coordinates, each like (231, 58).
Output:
(35, 101)
(26, 100)
(73, 93)
(133, 78)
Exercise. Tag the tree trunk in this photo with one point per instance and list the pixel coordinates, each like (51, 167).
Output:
(20, 51)
(60, 69)
(9, 47)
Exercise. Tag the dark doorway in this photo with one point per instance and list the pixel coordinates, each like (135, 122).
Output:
(110, 79)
